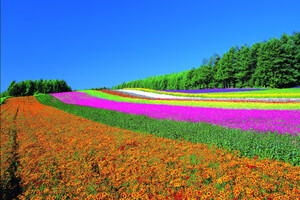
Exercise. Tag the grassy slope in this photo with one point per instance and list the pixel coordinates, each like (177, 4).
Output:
(249, 144)
(273, 93)
(212, 104)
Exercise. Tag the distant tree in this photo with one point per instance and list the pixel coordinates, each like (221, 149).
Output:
(39, 86)
(189, 76)
(195, 80)
(172, 82)
(66, 87)
(11, 85)
(207, 76)
(214, 67)
(29, 87)
(55, 85)
(287, 64)
(163, 83)
(22, 88)
(13, 89)
(242, 67)
(100, 88)
(263, 65)
(52, 86)
(225, 72)
(4, 94)
(253, 57)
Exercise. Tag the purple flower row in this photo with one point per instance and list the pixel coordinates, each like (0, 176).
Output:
(282, 121)
(211, 90)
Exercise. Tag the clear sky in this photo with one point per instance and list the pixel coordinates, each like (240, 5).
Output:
(96, 43)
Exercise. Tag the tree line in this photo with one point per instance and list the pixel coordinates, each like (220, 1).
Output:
(100, 88)
(274, 63)
(29, 87)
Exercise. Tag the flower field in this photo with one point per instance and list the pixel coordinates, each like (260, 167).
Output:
(270, 105)
(123, 94)
(282, 121)
(78, 146)
(274, 93)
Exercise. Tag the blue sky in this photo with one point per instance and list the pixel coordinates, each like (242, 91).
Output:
(99, 43)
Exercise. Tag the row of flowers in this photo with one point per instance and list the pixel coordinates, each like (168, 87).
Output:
(64, 156)
(281, 121)
(279, 93)
(232, 104)
(7, 161)
(123, 94)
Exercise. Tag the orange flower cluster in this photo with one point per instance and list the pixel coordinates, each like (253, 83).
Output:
(64, 156)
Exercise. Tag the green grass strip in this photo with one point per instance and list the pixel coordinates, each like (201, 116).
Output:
(272, 93)
(209, 104)
(265, 145)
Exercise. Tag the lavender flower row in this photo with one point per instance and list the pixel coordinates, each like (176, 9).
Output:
(281, 121)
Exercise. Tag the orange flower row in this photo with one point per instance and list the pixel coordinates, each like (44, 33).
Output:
(61, 155)
(7, 168)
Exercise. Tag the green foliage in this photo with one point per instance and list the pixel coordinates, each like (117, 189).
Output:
(4, 94)
(3, 99)
(13, 89)
(265, 145)
(275, 64)
(100, 88)
(29, 87)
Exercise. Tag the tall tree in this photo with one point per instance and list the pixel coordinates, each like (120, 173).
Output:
(13, 89)
(22, 88)
(263, 65)
(253, 63)
(188, 79)
(287, 64)
(214, 67)
(29, 87)
(242, 66)
(225, 72)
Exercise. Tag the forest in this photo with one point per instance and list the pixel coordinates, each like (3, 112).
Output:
(270, 64)
(29, 87)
